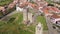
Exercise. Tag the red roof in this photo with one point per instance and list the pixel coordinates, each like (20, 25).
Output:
(55, 16)
(55, 9)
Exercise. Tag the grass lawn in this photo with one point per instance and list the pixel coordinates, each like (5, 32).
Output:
(15, 26)
(5, 2)
(40, 19)
(49, 1)
(43, 21)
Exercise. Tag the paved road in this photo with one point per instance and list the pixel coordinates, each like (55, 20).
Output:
(50, 28)
(5, 18)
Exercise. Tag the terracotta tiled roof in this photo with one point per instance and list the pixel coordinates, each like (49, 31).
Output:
(46, 12)
(34, 5)
(55, 9)
(55, 16)
(11, 5)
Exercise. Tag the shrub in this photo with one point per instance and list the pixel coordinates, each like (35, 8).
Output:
(5, 2)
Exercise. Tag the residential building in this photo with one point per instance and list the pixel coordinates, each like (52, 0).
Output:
(55, 19)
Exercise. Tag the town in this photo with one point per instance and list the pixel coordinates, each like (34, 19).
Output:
(29, 16)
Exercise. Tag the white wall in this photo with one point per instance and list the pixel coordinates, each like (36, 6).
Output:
(19, 9)
(30, 17)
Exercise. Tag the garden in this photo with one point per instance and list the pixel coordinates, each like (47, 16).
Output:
(15, 25)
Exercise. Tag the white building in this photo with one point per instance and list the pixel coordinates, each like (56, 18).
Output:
(55, 19)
